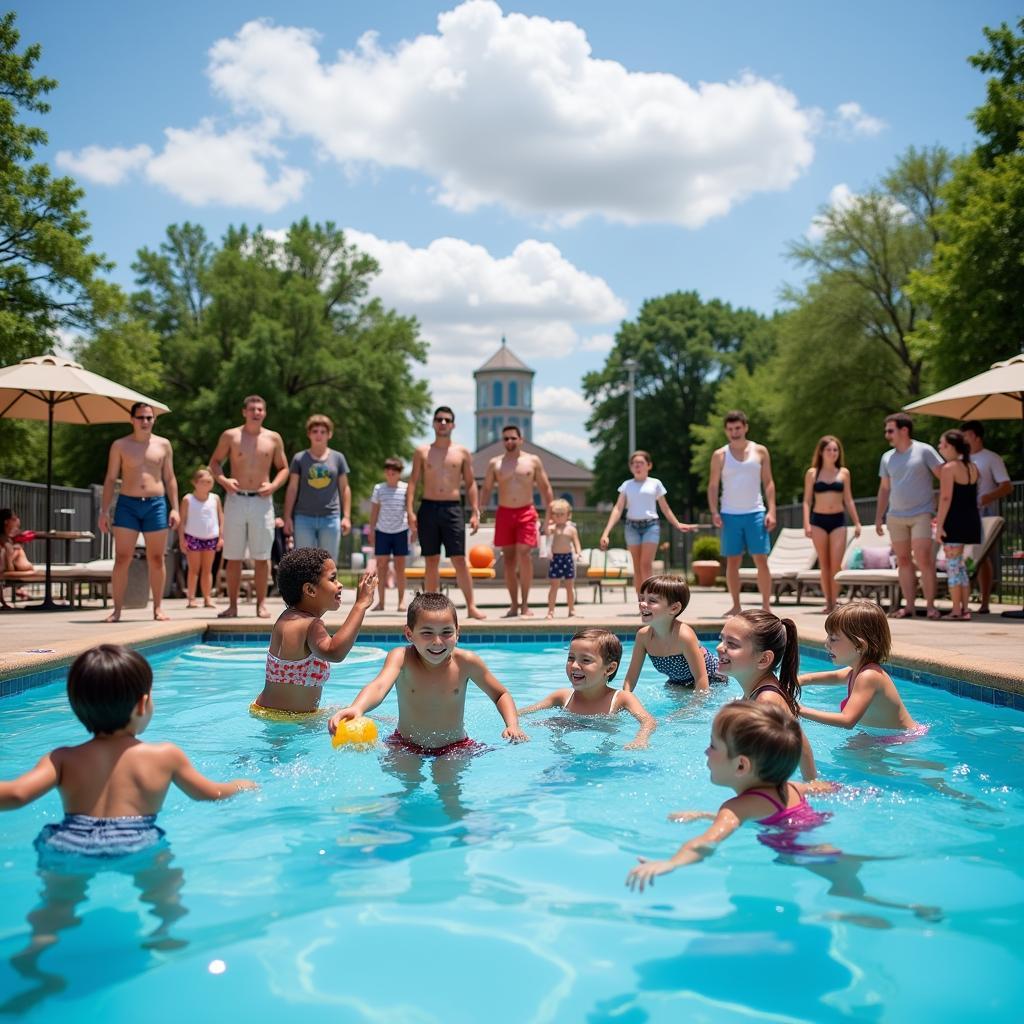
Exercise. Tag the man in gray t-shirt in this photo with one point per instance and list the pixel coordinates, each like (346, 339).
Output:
(318, 500)
(906, 498)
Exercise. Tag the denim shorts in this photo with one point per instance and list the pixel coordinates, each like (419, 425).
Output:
(318, 532)
(744, 532)
(642, 531)
(145, 515)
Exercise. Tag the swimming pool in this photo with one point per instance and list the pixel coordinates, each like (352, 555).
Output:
(343, 891)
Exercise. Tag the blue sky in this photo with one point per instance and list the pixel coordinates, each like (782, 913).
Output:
(535, 169)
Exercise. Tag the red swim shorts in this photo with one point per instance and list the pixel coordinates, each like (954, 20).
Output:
(463, 746)
(515, 526)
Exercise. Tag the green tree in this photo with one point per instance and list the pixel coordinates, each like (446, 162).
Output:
(48, 277)
(684, 348)
(974, 283)
(287, 318)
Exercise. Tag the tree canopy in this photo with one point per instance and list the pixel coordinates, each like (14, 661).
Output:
(49, 279)
(684, 347)
(286, 317)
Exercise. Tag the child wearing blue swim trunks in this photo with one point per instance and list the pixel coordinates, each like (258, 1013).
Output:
(113, 785)
(565, 549)
(671, 645)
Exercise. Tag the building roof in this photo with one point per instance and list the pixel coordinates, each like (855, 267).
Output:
(503, 359)
(555, 466)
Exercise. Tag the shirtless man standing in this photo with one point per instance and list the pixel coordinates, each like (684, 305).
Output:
(145, 465)
(248, 507)
(745, 518)
(444, 468)
(518, 475)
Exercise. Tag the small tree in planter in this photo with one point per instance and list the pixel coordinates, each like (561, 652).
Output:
(706, 552)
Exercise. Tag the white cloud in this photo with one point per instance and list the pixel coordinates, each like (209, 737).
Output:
(515, 110)
(202, 166)
(598, 343)
(570, 446)
(559, 402)
(104, 166)
(853, 121)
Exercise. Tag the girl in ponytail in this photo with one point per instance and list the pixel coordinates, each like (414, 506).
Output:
(761, 652)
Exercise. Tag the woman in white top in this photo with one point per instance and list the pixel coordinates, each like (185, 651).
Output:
(200, 535)
(641, 498)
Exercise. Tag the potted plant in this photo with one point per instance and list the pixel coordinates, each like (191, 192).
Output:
(705, 560)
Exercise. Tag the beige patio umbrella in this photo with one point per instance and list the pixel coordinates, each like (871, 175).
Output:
(996, 394)
(58, 390)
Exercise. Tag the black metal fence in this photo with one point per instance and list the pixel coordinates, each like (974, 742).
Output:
(74, 508)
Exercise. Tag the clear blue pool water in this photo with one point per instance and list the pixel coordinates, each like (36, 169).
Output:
(344, 892)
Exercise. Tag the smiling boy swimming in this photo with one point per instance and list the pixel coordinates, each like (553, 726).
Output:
(431, 676)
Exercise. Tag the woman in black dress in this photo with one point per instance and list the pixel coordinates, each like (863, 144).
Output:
(958, 521)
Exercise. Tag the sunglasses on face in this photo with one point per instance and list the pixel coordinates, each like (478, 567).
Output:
(443, 419)
(143, 417)
(512, 439)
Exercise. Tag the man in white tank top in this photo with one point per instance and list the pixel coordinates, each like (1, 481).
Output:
(743, 468)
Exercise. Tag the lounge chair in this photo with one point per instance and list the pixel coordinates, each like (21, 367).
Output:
(792, 553)
(611, 569)
(876, 584)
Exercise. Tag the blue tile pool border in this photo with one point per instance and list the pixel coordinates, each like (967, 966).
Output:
(993, 695)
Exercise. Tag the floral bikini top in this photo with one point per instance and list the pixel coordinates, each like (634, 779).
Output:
(310, 671)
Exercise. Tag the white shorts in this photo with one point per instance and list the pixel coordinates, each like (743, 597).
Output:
(248, 528)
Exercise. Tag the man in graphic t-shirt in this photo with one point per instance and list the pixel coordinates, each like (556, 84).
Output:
(318, 500)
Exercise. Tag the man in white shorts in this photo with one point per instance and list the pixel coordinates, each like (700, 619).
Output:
(248, 506)
(906, 497)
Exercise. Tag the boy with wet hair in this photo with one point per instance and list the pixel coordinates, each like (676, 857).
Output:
(113, 785)
(431, 676)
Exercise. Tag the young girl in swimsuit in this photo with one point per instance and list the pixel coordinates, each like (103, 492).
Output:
(200, 536)
(827, 491)
(671, 645)
(752, 648)
(754, 750)
(301, 649)
(858, 636)
(594, 656)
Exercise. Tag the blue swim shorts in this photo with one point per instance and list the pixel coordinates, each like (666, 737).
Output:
(391, 544)
(744, 532)
(87, 836)
(146, 515)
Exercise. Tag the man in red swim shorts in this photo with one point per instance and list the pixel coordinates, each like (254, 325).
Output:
(517, 474)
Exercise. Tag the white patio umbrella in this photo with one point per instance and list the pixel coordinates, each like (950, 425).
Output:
(58, 390)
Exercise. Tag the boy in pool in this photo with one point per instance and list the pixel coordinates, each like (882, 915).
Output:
(301, 649)
(594, 657)
(858, 635)
(113, 785)
(671, 645)
(431, 675)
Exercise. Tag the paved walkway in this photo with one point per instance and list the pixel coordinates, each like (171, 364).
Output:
(986, 650)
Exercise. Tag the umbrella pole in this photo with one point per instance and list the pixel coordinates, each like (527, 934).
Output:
(48, 604)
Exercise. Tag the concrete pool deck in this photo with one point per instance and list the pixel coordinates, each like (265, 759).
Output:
(986, 651)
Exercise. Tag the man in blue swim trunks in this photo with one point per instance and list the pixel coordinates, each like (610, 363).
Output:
(745, 518)
(144, 463)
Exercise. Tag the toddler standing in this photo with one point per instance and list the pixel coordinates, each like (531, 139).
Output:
(565, 549)
(200, 535)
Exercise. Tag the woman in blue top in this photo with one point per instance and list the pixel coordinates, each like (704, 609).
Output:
(641, 498)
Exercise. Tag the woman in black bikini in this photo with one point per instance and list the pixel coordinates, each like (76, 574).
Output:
(827, 491)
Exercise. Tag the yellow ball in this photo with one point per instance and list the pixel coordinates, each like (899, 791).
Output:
(359, 731)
